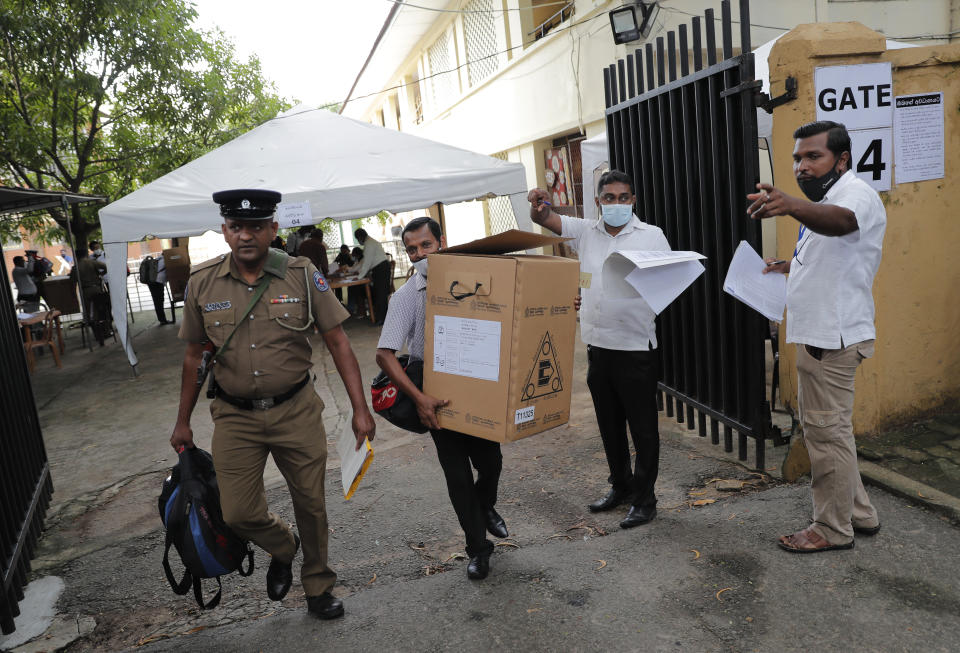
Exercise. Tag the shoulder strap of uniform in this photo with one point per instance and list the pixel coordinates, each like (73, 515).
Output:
(216, 260)
(277, 262)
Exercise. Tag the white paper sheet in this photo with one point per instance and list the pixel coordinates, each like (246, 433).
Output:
(764, 293)
(294, 214)
(918, 137)
(353, 463)
(466, 347)
(658, 277)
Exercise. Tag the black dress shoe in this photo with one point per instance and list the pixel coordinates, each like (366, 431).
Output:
(325, 606)
(638, 515)
(495, 524)
(612, 499)
(479, 567)
(280, 575)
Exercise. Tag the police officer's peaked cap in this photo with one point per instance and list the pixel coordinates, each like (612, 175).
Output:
(247, 203)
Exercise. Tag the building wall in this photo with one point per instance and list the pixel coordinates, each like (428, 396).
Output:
(916, 367)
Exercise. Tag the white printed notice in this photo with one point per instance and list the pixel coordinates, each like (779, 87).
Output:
(764, 293)
(466, 347)
(294, 214)
(657, 276)
(918, 137)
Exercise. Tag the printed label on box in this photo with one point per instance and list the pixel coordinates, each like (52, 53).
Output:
(466, 347)
(544, 377)
(524, 415)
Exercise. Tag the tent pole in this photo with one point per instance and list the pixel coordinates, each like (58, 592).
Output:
(83, 301)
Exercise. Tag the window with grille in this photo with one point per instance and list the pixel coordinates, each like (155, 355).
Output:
(480, 40)
(440, 63)
(500, 215)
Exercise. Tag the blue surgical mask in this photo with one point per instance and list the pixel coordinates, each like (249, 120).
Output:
(616, 215)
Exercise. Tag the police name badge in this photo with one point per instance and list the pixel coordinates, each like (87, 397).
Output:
(320, 282)
(216, 306)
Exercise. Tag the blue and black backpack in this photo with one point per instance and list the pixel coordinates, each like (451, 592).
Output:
(190, 509)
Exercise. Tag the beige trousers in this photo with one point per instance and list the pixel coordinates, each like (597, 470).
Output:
(293, 434)
(826, 409)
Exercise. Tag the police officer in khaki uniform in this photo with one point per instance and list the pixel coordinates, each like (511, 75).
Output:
(265, 401)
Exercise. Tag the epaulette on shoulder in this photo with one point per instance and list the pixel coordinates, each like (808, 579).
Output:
(299, 262)
(216, 260)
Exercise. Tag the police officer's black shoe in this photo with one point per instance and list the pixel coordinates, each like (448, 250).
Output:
(325, 606)
(612, 499)
(638, 515)
(495, 524)
(280, 575)
(479, 567)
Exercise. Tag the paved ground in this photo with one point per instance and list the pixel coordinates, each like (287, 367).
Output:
(704, 576)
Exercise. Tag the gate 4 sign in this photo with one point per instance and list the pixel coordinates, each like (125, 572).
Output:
(860, 97)
(872, 151)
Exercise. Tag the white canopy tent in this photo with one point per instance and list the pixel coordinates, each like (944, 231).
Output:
(594, 150)
(345, 168)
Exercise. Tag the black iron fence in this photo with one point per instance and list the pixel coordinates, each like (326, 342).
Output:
(683, 125)
(25, 485)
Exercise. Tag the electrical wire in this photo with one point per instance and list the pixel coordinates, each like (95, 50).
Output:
(479, 11)
(442, 72)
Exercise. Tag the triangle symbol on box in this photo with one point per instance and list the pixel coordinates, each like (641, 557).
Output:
(544, 377)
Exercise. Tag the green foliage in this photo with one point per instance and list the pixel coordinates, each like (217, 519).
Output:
(103, 97)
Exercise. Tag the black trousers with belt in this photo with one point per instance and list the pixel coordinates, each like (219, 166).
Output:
(624, 385)
(470, 499)
(380, 276)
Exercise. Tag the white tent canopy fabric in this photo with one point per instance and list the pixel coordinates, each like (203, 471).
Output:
(345, 168)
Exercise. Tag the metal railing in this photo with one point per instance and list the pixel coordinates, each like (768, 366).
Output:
(544, 28)
(688, 139)
(25, 484)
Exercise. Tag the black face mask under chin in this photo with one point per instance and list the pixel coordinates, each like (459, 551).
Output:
(815, 188)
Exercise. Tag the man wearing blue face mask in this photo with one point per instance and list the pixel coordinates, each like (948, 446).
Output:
(621, 342)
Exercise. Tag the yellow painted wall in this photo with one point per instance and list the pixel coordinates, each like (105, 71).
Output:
(917, 363)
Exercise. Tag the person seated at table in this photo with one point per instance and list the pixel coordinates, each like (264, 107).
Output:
(343, 263)
(26, 288)
(356, 295)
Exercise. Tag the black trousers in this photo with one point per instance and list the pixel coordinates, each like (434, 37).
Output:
(624, 385)
(157, 292)
(457, 452)
(380, 276)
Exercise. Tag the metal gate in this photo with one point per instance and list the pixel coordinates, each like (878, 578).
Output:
(25, 485)
(689, 142)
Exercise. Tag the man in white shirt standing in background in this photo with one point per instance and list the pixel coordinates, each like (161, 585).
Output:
(621, 340)
(830, 317)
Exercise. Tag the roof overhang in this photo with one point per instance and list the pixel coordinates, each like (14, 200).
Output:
(22, 200)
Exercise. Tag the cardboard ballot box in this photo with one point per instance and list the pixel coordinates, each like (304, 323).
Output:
(177, 262)
(500, 336)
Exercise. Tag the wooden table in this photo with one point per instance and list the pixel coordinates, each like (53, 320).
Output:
(38, 318)
(343, 282)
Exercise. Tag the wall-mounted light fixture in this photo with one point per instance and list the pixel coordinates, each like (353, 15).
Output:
(634, 21)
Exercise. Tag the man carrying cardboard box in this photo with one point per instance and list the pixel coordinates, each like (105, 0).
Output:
(621, 341)
(405, 324)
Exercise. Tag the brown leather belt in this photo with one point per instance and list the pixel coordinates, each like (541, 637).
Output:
(262, 404)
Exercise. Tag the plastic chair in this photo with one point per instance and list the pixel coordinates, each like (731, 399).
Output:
(46, 339)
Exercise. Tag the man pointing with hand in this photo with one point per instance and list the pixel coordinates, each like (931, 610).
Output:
(830, 318)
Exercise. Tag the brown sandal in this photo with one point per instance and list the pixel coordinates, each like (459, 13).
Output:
(809, 541)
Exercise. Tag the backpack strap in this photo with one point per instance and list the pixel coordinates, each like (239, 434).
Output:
(198, 594)
(261, 288)
(183, 586)
(249, 558)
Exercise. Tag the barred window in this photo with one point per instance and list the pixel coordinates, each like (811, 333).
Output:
(500, 215)
(480, 39)
(440, 63)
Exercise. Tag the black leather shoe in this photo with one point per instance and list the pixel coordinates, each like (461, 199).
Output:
(325, 606)
(495, 524)
(479, 567)
(612, 499)
(638, 515)
(280, 575)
